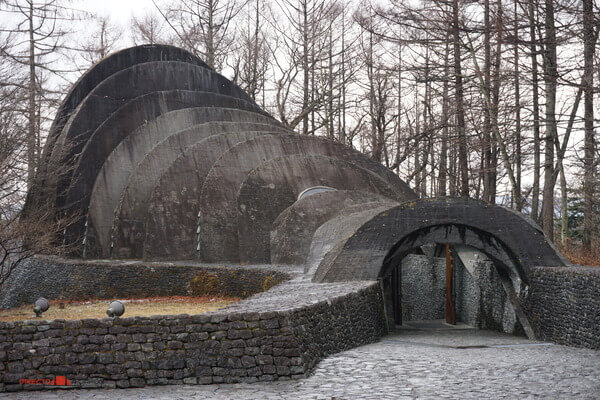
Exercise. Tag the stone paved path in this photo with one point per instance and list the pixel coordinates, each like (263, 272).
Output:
(432, 364)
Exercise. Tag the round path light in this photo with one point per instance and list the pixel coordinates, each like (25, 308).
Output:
(41, 305)
(115, 309)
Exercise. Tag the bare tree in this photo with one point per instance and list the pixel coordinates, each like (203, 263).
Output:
(589, 44)
(40, 29)
(147, 28)
(533, 52)
(299, 50)
(460, 112)
(252, 59)
(550, 86)
(202, 26)
(104, 40)
(20, 238)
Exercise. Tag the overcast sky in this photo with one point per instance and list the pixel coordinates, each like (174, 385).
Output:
(120, 11)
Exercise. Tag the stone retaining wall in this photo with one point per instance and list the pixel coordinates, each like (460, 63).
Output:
(564, 305)
(55, 278)
(278, 334)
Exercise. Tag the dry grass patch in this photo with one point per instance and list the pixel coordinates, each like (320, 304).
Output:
(578, 255)
(75, 309)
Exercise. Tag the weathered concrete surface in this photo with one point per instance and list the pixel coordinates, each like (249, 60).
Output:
(293, 230)
(121, 162)
(329, 239)
(130, 117)
(123, 86)
(118, 126)
(508, 238)
(130, 214)
(279, 182)
(91, 78)
(219, 221)
(172, 218)
(412, 364)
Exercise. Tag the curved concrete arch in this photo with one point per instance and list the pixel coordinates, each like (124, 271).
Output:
(112, 179)
(123, 122)
(109, 65)
(171, 220)
(121, 87)
(128, 230)
(293, 230)
(329, 238)
(278, 182)
(504, 235)
(219, 241)
(136, 113)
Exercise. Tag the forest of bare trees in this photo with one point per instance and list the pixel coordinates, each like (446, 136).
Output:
(491, 99)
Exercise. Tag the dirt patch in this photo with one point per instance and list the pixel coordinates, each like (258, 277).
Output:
(76, 309)
(578, 255)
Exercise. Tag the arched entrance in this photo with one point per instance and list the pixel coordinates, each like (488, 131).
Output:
(371, 244)
(471, 277)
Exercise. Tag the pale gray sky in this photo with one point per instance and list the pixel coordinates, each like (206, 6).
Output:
(120, 11)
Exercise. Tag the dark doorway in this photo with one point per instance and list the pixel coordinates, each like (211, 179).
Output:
(446, 289)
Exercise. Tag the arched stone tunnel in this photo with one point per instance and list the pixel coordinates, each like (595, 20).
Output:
(364, 237)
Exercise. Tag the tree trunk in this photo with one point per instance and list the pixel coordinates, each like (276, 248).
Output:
(495, 107)
(588, 116)
(486, 155)
(564, 217)
(535, 191)
(460, 112)
(210, 37)
(31, 111)
(399, 111)
(342, 119)
(518, 164)
(550, 82)
(442, 178)
(306, 76)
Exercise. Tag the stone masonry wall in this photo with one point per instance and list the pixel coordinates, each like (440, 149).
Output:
(564, 305)
(55, 278)
(278, 334)
(480, 299)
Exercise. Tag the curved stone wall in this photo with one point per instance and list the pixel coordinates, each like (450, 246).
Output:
(220, 238)
(132, 209)
(122, 162)
(117, 90)
(56, 279)
(564, 305)
(278, 334)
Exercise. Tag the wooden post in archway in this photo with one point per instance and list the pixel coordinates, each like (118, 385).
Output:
(450, 310)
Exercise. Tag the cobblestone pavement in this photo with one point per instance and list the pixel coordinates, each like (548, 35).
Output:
(453, 364)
